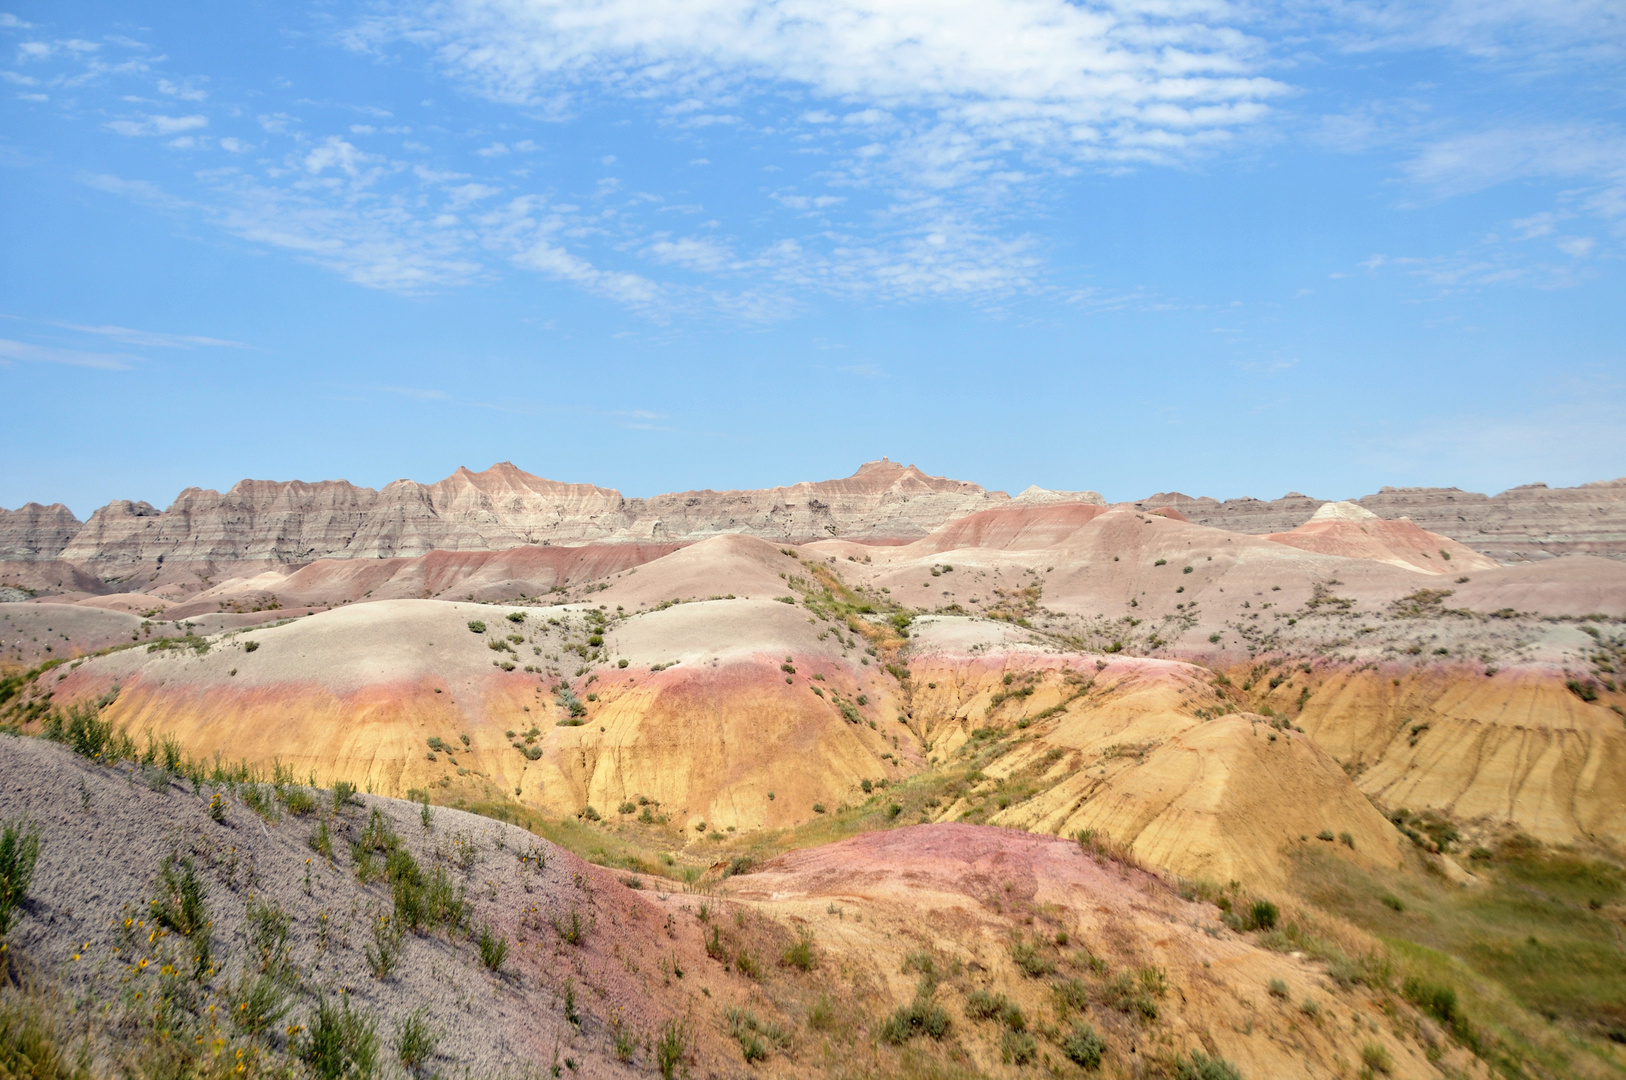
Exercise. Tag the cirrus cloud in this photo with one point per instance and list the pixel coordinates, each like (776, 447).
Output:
(1132, 80)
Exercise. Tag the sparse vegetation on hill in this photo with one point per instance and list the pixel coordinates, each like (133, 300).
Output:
(694, 745)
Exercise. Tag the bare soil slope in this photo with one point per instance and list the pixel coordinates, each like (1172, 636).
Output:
(973, 901)
(89, 927)
(1345, 528)
(595, 971)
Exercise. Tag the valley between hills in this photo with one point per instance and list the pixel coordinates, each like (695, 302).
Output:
(882, 776)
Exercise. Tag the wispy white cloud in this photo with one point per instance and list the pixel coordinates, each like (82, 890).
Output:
(185, 93)
(149, 339)
(527, 231)
(42, 354)
(158, 125)
(336, 153)
(1472, 162)
(1523, 32)
(928, 128)
(692, 253)
(1134, 80)
(140, 191)
(808, 202)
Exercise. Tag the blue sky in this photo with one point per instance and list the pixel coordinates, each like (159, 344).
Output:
(1223, 248)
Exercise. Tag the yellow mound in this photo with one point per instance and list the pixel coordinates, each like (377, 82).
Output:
(1121, 750)
(702, 720)
(1516, 747)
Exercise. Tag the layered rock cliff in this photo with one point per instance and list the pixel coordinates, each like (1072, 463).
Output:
(271, 522)
(36, 533)
(1533, 521)
(265, 524)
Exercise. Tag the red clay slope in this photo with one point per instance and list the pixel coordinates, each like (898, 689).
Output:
(1015, 528)
(1343, 528)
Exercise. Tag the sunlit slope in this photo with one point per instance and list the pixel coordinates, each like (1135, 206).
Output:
(1518, 746)
(1139, 751)
(970, 900)
(702, 719)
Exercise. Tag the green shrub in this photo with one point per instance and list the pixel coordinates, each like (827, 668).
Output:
(800, 955)
(261, 1004)
(493, 948)
(1263, 915)
(755, 1035)
(299, 801)
(1072, 995)
(1083, 1046)
(476, 626)
(1199, 1066)
(19, 851)
(1376, 1059)
(1277, 988)
(1126, 993)
(922, 1016)
(981, 1005)
(672, 1047)
(320, 841)
(821, 1016)
(180, 905)
(407, 888)
(919, 1017)
(87, 734)
(443, 903)
(268, 926)
(415, 1040)
(342, 1043)
(385, 949)
(34, 1046)
(1018, 1047)
(573, 931)
(1031, 958)
(1438, 1001)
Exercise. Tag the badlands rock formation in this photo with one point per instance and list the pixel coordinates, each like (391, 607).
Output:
(1345, 528)
(206, 537)
(642, 961)
(1142, 676)
(1532, 521)
(1352, 698)
(277, 523)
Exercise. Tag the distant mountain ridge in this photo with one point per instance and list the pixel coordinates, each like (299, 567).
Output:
(290, 522)
(281, 523)
(1532, 521)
